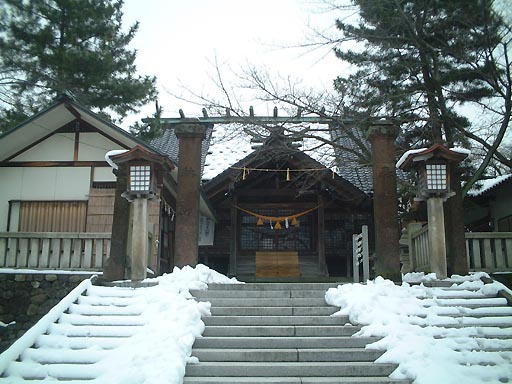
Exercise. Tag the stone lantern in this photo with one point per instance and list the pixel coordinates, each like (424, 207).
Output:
(144, 170)
(432, 166)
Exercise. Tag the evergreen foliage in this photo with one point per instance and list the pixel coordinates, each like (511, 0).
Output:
(420, 60)
(77, 47)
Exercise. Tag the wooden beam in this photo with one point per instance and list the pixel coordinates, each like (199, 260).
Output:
(77, 146)
(228, 118)
(16, 164)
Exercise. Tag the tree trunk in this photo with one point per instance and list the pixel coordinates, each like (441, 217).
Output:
(454, 227)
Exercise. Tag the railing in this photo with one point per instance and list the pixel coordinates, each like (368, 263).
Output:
(360, 255)
(489, 251)
(54, 250)
(486, 251)
(419, 250)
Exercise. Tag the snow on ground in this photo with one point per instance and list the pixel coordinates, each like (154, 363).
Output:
(160, 352)
(157, 353)
(411, 330)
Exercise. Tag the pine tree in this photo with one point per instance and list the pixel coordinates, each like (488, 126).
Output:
(78, 47)
(421, 58)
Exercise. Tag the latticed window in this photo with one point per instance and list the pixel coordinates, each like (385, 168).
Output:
(264, 237)
(140, 177)
(436, 176)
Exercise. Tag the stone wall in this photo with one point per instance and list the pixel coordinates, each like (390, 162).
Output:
(25, 298)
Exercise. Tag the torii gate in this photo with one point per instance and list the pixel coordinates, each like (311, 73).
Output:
(191, 132)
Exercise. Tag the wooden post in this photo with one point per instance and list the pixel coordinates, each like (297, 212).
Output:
(190, 134)
(234, 236)
(385, 201)
(322, 267)
(114, 268)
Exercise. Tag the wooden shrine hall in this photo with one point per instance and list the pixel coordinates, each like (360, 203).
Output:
(279, 212)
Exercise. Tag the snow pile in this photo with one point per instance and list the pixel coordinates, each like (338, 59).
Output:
(163, 321)
(159, 353)
(418, 337)
(4, 325)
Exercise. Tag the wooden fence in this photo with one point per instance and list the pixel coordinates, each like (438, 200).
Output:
(486, 251)
(489, 251)
(419, 250)
(54, 250)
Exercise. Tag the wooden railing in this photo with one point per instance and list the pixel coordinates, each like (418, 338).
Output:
(419, 250)
(489, 251)
(486, 251)
(54, 250)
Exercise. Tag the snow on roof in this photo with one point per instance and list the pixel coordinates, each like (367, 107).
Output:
(228, 145)
(407, 154)
(488, 184)
(410, 152)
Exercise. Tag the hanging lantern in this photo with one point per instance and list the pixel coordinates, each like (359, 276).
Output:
(260, 221)
(271, 226)
(278, 226)
(295, 222)
(286, 223)
(288, 174)
(244, 174)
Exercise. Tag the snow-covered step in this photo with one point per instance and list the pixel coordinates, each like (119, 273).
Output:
(70, 343)
(276, 320)
(265, 369)
(107, 301)
(468, 303)
(128, 310)
(107, 319)
(280, 333)
(93, 330)
(283, 331)
(273, 287)
(283, 342)
(48, 355)
(101, 291)
(293, 380)
(256, 294)
(34, 371)
(265, 302)
(273, 311)
(475, 312)
(287, 355)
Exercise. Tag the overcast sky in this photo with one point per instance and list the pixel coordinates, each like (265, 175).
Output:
(179, 40)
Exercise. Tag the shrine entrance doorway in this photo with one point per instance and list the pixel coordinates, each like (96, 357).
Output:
(277, 264)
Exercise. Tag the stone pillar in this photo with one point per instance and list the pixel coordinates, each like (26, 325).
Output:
(139, 243)
(190, 134)
(436, 237)
(115, 265)
(382, 135)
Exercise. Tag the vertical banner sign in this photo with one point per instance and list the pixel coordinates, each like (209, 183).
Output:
(206, 230)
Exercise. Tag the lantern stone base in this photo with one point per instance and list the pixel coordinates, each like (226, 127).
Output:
(436, 237)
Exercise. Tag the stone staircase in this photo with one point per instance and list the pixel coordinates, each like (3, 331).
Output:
(66, 348)
(280, 333)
